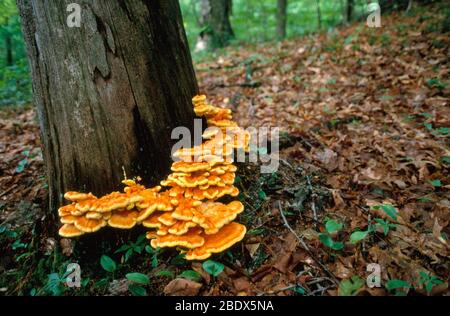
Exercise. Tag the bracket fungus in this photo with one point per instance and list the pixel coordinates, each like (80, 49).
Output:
(187, 214)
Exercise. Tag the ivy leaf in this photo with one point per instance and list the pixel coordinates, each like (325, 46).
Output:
(138, 278)
(137, 290)
(21, 166)
(128, 254)
(351, 287)
(108, 264)
(396, 284)
(358, 236)
(389, 210)
(329, 242)
(436, 183)
(213, 268)
(332, 226)
(191, 275)
(122, 248)
(165, 274)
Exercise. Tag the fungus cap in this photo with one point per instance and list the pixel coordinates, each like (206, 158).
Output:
(224, 239)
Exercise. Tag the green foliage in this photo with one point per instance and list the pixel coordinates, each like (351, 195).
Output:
(436, 183)
(398, 286)
(388, 209)
(328, 241)
(165, 274)
(429, 281)
(254, 21)
(358, 236)
(154, 253)
(351, 286)
(137, 290)
(436, 83)
(191, 275)
(108, 264)
(213, 268)
(15, 83)
(132, 247)
(385, 225)
(332, 226)
(138, 278)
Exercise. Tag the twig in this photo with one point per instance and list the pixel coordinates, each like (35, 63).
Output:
(313, 206)
(8, 190)
(306, 248)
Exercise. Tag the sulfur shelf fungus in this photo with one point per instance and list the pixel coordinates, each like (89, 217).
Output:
(185, 211)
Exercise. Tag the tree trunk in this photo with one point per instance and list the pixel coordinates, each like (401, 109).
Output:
(8, 47)
(348, 12)
(387, 6)
(215, 18)
(319, 15)
(281, 18)
(9, 53)
(108, 93)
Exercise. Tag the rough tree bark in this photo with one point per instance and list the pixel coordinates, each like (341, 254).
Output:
(281, 18)
(108, 93)
(215, 20)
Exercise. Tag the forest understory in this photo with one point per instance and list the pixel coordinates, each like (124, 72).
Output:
(363, 176)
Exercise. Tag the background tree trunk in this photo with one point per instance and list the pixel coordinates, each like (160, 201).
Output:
(348, 11)
(215, 18)
(319, 15)
(281, 18)
(8, 47)
(387, 6)
(109, 93)
(9, 53)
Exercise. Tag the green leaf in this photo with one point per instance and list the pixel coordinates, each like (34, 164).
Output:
(138, 278)
(329, 242)
(396, 284)
(299, 290)
(389, 210)
(155, 260)
(137, 290)
(128, 254)
(262, 195)
(165, 274)
(358, 236)
(122, 248)
(213, 268)
(18, 244)
(21, 166)
(149, 249)
(178, 260)
(350, 287)
(256, 231)
(108, 264)
(332, 226)
(436, 183)
(445, 159)
(429, 126)
(191, 275)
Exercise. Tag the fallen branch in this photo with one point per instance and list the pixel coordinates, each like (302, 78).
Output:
(306, 248)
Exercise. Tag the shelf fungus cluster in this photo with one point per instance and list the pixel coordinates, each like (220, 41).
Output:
(185, 211)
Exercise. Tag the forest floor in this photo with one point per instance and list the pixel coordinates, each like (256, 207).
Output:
(363, 177)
